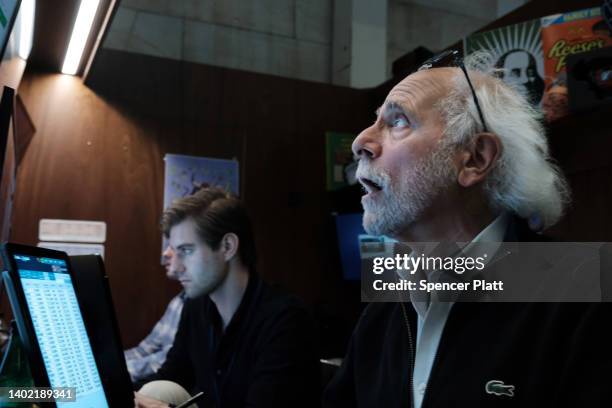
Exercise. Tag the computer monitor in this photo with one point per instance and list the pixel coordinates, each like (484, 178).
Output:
(348, 230)
(356, 246)
(93, 290)
(40, 287)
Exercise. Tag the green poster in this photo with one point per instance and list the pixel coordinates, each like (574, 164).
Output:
(338, 159)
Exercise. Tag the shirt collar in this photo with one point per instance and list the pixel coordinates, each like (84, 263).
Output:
(489, 240)
(495, 231)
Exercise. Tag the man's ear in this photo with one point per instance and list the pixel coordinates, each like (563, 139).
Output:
(229, 245)
(477, 159)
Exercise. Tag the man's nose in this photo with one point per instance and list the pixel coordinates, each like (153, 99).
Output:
(175, 268)
(366, 144)
(167, 256)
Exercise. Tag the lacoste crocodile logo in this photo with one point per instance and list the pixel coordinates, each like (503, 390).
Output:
(497, 387)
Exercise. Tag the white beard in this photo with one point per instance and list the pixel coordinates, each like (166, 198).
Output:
(401, 202)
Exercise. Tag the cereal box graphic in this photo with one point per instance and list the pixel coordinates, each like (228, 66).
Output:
(563, 35)
(571, 33)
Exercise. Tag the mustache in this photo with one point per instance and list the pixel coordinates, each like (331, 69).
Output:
(365, 170)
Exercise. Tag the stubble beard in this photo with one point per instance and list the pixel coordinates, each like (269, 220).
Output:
(207, 285)
(403, 201)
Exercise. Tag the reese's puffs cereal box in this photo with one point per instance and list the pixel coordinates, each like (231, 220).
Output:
(562, 35)
(571, 33)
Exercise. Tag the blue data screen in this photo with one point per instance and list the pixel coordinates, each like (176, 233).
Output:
(60, 330)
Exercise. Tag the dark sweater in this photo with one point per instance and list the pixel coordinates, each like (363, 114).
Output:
(265, 358)
(553, 354)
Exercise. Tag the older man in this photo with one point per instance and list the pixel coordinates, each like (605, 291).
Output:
(461, 158)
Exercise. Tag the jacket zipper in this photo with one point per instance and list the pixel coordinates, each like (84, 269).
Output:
(412, 353)
(434, 362)
(435, 359)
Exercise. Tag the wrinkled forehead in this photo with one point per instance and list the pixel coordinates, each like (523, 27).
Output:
(420, 91)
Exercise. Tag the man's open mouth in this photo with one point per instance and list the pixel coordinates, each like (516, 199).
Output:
(369, 186)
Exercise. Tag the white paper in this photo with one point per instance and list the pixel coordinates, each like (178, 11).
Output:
(71, 230)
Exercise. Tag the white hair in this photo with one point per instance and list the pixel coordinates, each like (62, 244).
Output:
(525, 180)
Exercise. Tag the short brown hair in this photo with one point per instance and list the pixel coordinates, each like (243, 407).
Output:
(216, 212)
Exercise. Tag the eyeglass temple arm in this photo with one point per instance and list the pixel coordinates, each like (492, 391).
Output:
(469, 81)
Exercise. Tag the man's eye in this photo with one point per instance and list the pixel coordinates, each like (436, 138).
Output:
(186, 251)
(400, 122)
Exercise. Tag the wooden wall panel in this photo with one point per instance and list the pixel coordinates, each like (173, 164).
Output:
(581, 144)
(91, 161)
(98, 155)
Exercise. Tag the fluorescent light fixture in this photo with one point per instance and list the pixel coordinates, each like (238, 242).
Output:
(26, 29)
(80, 33)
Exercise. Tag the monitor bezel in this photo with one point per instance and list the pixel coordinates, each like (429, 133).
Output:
(20, 307)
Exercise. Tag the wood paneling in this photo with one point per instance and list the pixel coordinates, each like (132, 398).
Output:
(11, 71)
(98, 155)
(90, 161)
(52, 30)
(24, 129)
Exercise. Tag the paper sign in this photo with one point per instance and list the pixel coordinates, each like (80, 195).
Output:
(71, 230)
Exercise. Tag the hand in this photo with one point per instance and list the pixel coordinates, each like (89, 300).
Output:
(141, 401)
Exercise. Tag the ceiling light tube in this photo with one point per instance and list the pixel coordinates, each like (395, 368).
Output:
(80, 34)
(26, 30)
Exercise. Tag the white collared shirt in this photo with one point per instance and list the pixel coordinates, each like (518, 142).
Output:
(432, 318)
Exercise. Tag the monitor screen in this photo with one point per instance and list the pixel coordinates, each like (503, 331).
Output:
(348, 229)
(356, 246)
(60, 329)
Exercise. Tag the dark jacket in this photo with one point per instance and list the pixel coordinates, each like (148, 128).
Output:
(265, 358)
(553, 354)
